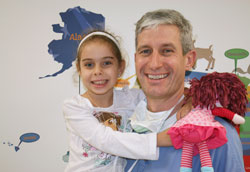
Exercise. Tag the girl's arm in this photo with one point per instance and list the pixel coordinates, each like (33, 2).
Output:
(163, 139)
(80, 122)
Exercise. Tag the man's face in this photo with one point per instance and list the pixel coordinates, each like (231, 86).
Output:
(160, 63)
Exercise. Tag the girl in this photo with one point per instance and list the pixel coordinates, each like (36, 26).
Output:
(99, 63)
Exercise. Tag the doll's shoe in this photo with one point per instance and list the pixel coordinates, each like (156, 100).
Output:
(185, 169)
(207, 169)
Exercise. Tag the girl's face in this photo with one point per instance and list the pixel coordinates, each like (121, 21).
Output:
(99, 68)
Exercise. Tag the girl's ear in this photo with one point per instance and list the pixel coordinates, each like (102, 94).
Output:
(78, 68)
(121, 68)
(190, 59)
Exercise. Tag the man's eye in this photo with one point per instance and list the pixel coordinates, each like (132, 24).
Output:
(145, 51)
(167, 51)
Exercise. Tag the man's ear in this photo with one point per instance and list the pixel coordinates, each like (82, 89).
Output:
(190, 59)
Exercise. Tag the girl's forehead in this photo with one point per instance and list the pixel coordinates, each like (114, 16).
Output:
(95, 49)
(95, 46)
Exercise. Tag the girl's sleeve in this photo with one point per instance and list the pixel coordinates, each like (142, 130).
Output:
(81, 122)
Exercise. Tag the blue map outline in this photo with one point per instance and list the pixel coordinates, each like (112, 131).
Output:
(77, 21)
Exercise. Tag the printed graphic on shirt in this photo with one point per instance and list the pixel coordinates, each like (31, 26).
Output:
(112, 120)
(100, 158)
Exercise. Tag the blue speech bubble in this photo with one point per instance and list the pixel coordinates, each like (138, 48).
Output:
(28, 138)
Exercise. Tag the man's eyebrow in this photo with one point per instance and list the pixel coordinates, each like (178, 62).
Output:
(142, 47)
(169, 45)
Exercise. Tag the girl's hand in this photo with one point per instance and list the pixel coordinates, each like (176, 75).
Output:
(186, 108)
(163, 139)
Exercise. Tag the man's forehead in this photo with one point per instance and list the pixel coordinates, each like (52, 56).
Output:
(161, 33)
(149, 41)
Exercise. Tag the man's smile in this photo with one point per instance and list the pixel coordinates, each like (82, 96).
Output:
(156, 77)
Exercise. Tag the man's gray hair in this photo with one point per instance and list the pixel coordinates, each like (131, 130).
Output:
(167, 17)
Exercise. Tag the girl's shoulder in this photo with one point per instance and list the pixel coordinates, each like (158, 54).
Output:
(76, 100)
(76, 104)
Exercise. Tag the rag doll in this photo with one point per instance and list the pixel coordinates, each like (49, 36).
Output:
(219, 94)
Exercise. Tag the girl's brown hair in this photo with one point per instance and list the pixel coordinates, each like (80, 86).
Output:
(102, 39)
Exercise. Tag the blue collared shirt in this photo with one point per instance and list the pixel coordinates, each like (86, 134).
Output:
(228, 157)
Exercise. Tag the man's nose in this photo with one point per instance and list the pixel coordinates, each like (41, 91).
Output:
(155, 61)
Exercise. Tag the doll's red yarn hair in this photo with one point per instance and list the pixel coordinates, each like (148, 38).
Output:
(225, 87)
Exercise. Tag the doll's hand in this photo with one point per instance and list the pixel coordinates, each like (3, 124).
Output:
(186, 108)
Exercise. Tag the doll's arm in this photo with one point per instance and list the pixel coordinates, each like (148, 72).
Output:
(225, 113)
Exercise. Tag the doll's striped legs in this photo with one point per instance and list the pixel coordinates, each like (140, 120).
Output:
(206, 161)
(187, 156)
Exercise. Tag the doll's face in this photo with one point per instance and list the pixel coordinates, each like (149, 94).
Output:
(111, 122)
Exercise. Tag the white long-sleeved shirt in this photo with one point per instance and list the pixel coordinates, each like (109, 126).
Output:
(93, 146)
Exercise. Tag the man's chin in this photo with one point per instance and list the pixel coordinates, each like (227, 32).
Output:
(153, 93)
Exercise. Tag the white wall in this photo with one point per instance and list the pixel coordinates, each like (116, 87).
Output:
(29, 104)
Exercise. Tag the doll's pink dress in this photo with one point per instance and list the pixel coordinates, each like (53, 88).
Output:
(197, 126)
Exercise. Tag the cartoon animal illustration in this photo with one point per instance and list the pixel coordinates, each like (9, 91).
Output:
(205, 53)
(241, 71)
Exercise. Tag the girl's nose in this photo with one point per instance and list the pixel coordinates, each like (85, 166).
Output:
(97, 70)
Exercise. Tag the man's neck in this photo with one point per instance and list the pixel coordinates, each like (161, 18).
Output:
(163, 104)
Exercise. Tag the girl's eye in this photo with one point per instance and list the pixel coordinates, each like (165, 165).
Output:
(106, 63)
(89, 65)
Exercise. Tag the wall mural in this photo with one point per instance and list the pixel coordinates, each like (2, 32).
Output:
(78, 21)
(27, 138)
(204, 53)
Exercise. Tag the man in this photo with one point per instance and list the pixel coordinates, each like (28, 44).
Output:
(163, 53)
